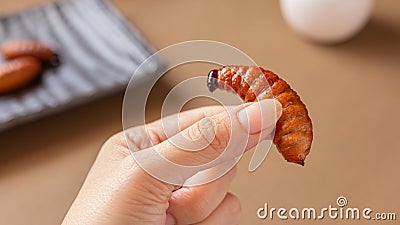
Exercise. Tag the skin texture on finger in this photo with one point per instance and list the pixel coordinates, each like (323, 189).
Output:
(227, 213)
(155, 132)
(194, 204)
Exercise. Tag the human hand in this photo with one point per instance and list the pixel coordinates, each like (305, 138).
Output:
(118, 191)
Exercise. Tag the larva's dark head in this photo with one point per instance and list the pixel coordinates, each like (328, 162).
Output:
(212, 80)
(53, 61)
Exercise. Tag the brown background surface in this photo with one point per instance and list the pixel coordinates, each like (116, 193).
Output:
(350, 89)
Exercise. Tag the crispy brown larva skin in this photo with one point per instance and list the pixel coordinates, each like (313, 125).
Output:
(18, 72)
(16, 48)
(293, 134)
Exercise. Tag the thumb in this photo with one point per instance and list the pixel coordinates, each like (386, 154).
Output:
(209, 142)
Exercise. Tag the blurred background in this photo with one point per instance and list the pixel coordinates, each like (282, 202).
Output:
(351, 91)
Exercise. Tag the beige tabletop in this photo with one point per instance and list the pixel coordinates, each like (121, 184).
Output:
(352, 92)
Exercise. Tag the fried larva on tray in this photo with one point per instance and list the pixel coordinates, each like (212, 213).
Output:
(23, 47)
(19, 72)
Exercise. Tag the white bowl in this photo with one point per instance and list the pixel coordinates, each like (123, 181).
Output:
(328, 21)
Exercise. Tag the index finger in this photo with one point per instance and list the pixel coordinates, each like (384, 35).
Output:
(145, 136)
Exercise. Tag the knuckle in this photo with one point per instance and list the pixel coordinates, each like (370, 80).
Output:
(115, 146)
(194, 133)
(234, 208)
(154, 137)
(199, 210)
(140, 137)
(116, 139)
(221, 138)
(212, 133)
(203, 131)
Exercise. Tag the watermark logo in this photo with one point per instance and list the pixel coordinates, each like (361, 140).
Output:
(340, 211)
(341, 201)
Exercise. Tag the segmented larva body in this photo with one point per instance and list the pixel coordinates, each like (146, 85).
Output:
(18, 72)
(293, 134)
(16, 48)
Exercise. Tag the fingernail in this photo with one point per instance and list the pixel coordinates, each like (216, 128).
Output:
(170, 220)
(260, 115)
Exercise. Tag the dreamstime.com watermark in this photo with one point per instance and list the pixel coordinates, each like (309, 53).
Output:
(340, 211)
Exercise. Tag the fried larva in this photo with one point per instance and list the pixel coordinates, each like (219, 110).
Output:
(293, 135)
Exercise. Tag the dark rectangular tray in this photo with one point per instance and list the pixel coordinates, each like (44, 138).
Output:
(98, 49)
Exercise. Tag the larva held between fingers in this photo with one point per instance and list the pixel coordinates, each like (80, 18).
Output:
(16, 48)
(18, 72)
(293, 134)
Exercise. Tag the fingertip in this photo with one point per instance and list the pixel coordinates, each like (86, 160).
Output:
(234, 206)
(259, 116)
